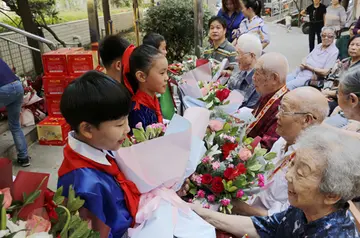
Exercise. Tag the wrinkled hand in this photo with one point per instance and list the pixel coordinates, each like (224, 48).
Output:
(226, 73)
(233, 33)
(184, 188)
(234, 42)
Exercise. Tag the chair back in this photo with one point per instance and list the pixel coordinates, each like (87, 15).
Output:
(356, 214)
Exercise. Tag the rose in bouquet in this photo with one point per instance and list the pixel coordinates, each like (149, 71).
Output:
(214, 94)
(177, 69)
(231, 168)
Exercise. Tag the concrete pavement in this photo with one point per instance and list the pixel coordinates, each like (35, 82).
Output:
(294, 46)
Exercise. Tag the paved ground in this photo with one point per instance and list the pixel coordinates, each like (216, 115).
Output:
(293, 45)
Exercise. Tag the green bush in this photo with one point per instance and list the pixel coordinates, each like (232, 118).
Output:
(174, 19)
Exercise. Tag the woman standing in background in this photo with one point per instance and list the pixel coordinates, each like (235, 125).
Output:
(335, 16)
(231, 12)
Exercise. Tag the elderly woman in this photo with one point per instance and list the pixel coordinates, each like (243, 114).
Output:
(319, 186)
(249, 50)
(349, 98)
(318, 63)
(231, 12)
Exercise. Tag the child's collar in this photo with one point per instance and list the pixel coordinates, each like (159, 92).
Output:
(88, 151)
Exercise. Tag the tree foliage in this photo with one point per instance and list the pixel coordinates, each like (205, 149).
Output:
(43, 12)
(174, 19)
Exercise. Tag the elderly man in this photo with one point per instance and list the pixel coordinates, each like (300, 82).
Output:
(318, 63)
(319, 186)
(298, 110)
(270, 82)
(249, 49)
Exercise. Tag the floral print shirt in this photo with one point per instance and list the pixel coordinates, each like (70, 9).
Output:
(292, 223)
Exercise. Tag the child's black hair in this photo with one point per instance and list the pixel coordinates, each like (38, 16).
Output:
(221, 20)
(255, 5)
(141, 59)
(112, 48)
(153, 39)
(94, 98)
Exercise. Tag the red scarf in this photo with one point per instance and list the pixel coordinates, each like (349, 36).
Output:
(146, 100)
(125, 61)
(73, 161)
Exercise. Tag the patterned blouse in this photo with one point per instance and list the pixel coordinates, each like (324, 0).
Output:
(256, 26)
(292, 223)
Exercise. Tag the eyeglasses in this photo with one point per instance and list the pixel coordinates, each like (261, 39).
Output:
(282, 112)
(327, 36)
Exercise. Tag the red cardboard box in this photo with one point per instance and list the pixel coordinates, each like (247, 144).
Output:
(54, 85)
(80, 62)
(53, 105)
(70, 79)
(53, 131)
(55, 62)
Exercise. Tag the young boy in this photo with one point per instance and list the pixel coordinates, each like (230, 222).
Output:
(115, 53)
(97, 108)
(288, 22)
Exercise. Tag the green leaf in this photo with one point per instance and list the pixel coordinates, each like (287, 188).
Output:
(226, 127)
(260, 152)
(58, 198)
(240, 182)
(254, 168)
(81, 231)
(248, 141)
(74, 222)
(1, 199)
(193, 191)
(226, 187)
(232, 189)
(32, 197)
(226, 103)
(74, 203)
(270, 156)
(269, 167)
(139, 135)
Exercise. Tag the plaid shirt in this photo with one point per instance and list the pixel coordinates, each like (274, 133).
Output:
(225, 50)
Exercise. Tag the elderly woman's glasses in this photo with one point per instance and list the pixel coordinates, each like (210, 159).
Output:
(282, 112)
(327, 36)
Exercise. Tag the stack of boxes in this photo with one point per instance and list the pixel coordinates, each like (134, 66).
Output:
(61, 67)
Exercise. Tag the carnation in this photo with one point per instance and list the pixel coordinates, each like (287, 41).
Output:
(211, 198)
(240, 193)
(201, 194)
(216, 165)
(225, 202)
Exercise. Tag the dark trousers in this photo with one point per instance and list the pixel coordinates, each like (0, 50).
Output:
(314, 30)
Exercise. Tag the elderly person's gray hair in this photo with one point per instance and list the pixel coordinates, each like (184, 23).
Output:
(250, 43)
(276, 63)
(328, 28)
(350, 81)
(341, 156)
(311, 100)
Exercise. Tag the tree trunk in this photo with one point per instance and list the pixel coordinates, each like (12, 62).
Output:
(107, 16)
(30, 26)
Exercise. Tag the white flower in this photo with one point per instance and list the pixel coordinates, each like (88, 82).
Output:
(15, 227)
(4, 233)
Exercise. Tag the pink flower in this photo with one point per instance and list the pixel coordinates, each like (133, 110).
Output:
(216, 125)
(216, 165)
(231, 166)
(229, 138)
(190, 200)
(206, 160)
(240, 193)
(225, 202)
(200, 194)
(37, 224)
(139, 125)
(261, 180)
(206, 206)
(211, 198)
(204, 91)
(7, 197)
(197, 179)
(245, 154)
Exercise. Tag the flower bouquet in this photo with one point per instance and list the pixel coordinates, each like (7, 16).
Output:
(159, 167)
(29, 209)
(232, 167)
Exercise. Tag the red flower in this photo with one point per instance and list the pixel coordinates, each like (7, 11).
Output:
(217, 185)
(206, 179)
(228, 172)
(50, 205)
(223, 94)
(239, 170)
(227, 148)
